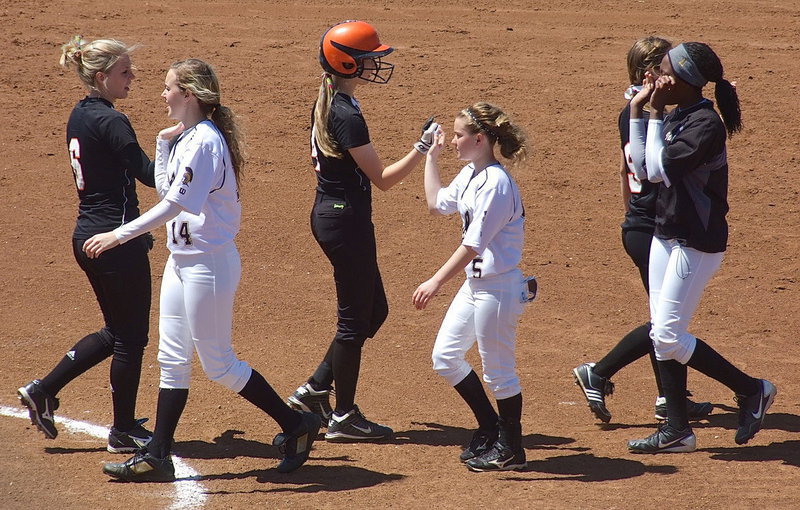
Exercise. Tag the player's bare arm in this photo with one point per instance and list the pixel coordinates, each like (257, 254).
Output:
(384, 177)
(454, 265)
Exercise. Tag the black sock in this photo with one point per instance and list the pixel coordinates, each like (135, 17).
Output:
(471, 390)
(510, 421)
(88, 352)
(656, 371)
(709, 362)
(510, 408)
(673, 377)
(346, 366)
(323, 375)
(258, 392)
(126, 370)
(168, 413)
(633, 346)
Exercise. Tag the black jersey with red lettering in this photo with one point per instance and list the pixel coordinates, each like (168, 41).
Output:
(106, 161)
(693, 208)
(349, 130)
(641, 211)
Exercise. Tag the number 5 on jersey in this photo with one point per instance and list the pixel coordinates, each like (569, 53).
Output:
(183, 233)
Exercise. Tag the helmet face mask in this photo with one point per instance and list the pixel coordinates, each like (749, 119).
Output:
(352, 50)
(374, 70)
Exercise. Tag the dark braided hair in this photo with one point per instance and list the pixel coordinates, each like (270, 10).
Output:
(725, 94)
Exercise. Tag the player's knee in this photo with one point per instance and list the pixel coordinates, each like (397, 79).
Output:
(503, 387)
(175, 376)
(128, 353)
(453, 368)
(107, 337)
(674, 347)
(233, 376)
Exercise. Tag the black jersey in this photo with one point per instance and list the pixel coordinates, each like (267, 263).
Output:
(106, 159)
(642, 204)
(693, 208)
(349, 130)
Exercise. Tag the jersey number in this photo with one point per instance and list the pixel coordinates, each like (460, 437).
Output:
(634, 184)
(476, 267)
(183, 233)
(75, 160)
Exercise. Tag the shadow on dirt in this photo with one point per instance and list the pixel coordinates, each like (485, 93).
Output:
(436, 434)
(57, 450)
(309, 479)
(787, 452)
(226, 446)
(585, 467)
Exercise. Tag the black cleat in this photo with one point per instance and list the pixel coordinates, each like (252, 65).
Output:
(296, 446)
(595, 389)
(752, 410)
(40, 407)
(499, 457)
(482, 440)
(305, 398)
(131, 441)
(354, 426)
(142, 467)
(695, 410)
(665, 440)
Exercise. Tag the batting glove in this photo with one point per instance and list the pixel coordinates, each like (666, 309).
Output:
(427, 138)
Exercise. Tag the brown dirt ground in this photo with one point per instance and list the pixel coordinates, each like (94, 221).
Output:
(558, 67)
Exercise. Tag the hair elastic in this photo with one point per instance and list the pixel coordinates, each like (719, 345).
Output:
(481, 125)
(328, 80)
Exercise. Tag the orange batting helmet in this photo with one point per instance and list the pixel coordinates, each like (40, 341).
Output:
(346, 47)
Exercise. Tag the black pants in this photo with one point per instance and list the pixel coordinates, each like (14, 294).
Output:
(342, 225)
(637, 246)
(120, 278)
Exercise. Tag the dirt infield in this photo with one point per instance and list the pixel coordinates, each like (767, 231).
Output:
(559, 68)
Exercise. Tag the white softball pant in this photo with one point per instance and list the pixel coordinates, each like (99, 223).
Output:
(197, 294)
(678, 276)
(486, 311)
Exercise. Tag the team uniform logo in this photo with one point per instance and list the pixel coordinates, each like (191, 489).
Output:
(188, 175)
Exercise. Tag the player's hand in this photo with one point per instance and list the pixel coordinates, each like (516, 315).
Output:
(661, 89)
(643, 96)
(99, 243)
(438, 144)
(426, 140)
(424, 293)
(171, 132)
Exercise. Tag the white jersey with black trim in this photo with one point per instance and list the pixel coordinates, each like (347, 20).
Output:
(493, 218)
(196, 173)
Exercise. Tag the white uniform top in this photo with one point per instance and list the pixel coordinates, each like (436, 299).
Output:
(197, 174)
(493, 217)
